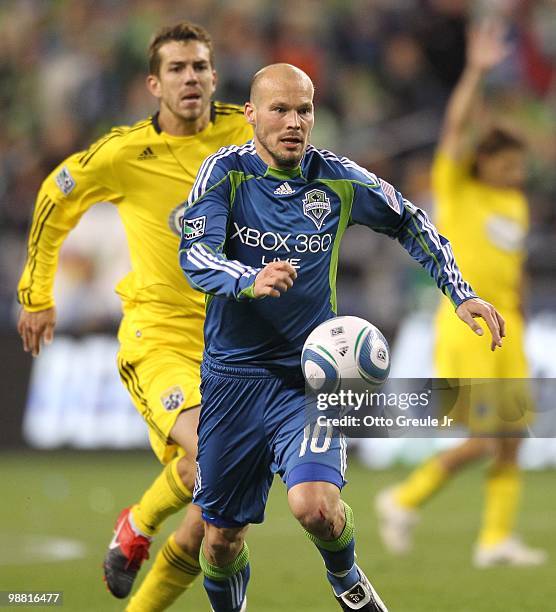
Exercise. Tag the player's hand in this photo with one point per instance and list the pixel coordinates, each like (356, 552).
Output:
(486, 46)
(36, 328)
(274, 279)
(476, 307)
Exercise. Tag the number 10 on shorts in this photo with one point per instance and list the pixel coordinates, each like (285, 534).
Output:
(318, 440)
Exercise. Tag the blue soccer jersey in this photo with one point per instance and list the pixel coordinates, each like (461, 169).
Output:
(243, 214)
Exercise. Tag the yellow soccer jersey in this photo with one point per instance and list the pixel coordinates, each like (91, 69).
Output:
(486, 226)
(147, 174)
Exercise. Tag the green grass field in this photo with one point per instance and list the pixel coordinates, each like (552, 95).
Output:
(77, 496)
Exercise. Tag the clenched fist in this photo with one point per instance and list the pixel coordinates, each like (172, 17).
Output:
(274, 279)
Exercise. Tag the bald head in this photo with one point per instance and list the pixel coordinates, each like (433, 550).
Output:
(281, 113)
(278, 77)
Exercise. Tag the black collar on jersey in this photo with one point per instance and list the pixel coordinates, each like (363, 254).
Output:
(156, 122)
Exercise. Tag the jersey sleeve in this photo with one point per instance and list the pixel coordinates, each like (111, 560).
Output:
(80, 181)
(379, 206)
(203, 237)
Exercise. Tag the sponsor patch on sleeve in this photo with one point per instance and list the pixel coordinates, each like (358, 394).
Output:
(390, 194)
(65, 181)
(194, 228)
(172, 398)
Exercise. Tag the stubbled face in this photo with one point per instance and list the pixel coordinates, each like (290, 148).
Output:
(186, 80)
(282, 116)
(505, 169)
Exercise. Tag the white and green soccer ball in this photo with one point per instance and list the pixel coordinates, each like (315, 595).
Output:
(343, 349)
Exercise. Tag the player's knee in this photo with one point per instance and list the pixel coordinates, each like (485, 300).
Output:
(319, 514)
(191, 531)
(507, 450)
(186, 469)
(487, 447)
(222, 545)
(455, 459)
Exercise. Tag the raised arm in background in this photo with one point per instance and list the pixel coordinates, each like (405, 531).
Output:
(485, 49)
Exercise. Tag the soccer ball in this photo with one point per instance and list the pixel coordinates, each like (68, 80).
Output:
(341, 349)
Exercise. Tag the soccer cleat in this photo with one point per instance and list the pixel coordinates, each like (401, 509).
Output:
(395, 523)
(361, 596)
(126, 552)
(511, 551)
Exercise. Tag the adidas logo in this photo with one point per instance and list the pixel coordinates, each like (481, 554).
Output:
(146, 154)
(284, 189)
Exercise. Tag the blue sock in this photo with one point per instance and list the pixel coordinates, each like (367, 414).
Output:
(339, 556)
(226, 586)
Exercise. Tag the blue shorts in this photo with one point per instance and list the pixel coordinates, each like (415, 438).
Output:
(253, 425)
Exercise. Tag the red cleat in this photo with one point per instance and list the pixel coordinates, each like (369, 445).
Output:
(126, 553)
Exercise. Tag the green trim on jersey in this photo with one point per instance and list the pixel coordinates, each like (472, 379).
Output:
(427, 250)
(344, 190)
(248, 292)
(281, 173)
(236, 178)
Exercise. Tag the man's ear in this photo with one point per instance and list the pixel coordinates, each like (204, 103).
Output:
(153, 85)
(250, 113)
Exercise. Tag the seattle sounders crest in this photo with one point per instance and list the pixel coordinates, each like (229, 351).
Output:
(316, 206)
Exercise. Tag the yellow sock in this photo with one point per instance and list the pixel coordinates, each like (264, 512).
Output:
(164, 497)
(172, 572)
(502, 495)
(421, 484)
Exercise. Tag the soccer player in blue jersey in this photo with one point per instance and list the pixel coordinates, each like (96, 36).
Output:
(265, 221)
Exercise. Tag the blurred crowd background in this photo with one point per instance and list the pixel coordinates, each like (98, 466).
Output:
(383, 70)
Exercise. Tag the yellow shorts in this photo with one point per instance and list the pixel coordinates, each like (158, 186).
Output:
(162, 384)
(494, 395)
(489, 407)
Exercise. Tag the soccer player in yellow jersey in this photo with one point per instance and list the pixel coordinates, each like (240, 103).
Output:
(146, 171)
(481, 207)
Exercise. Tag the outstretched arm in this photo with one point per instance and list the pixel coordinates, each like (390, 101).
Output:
(485, 49)
(72, 188)
(379, 206)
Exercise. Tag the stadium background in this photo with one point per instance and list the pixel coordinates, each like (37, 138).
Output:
(383, 70)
